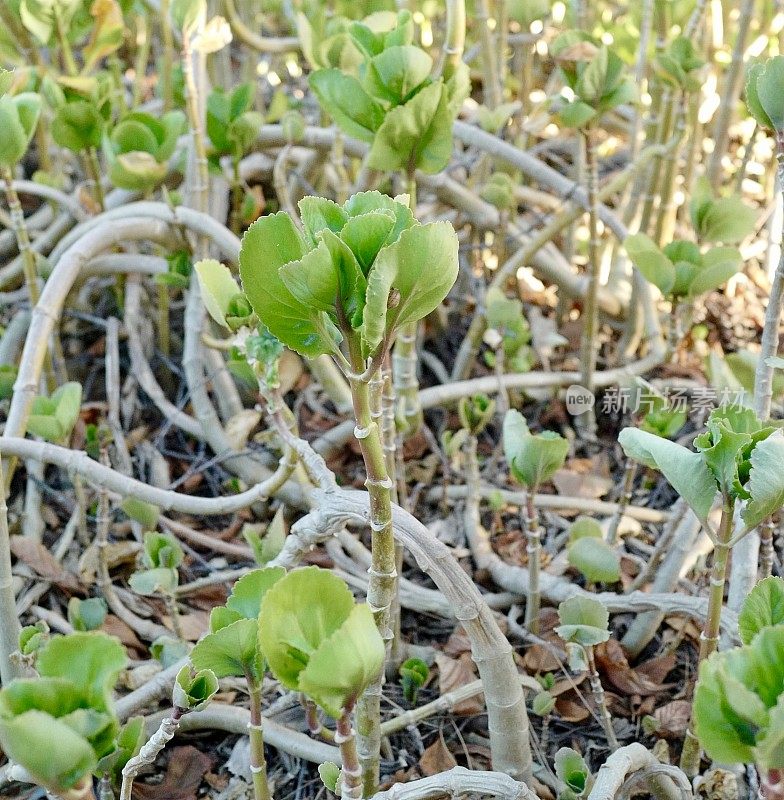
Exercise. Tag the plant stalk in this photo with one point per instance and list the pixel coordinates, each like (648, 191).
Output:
(9, 621)
(258, 764)
(149, 751)
(709, 638)
(383, 573)
(29, 262)
(590, 306)
(351, 774)
(533, 535)
(624, 501)
(599, 698)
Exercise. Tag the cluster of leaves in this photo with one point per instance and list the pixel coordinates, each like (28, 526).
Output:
(317, 640)
(53, 418)
(739, 699)
(682, 269)
(161, 555)
(139, 147)
(763, 94)
(61, 726)
(304, 626)
(232, 125)
(595, 76)
(506, 323)
(533, 458)
(19, 115)
(738, 455)
(357, 271)
(387, 96)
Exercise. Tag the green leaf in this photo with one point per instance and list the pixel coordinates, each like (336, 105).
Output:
(396, 72)
(160, 580)
(249, 590)
(766, 479)
(654, 265)
(146, 514)
(266, 547)
(763, 607)
(218, 288)
(543, 704)
(344, 663)
(268, 244)
(28, 741)
(595, 559)
(532, 459)
(229, 651)
(585, 528)
(584, 621)
(575, 113)
(344, 98)
(752, 99)
(366, 235)
(318, 214)
(728, 220)
(770, 746)
(77, 126)
(316, 640)
(297, 614)
(169, 650)
(313, 280)
(415, 134)
(769, 91)
(91, 661)
(193, 690)
(329, 772)
(685, 470)
(571, 769)
(422, 266)
(18, 119)
(86, 615)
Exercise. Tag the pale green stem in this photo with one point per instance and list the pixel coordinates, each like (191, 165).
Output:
(9, 622)
(589, 344)
(409, 413)
(29, 263)
(709, 638)
(351, 775)
(533, 535)
(168, 56)
(599, 698)
(629, 474)
(258, 763)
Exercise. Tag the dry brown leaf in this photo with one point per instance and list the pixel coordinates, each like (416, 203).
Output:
(673, 718)
(571, 709)
(581, 482)
(436, 758)
(36, 556)
(124, 632)
(611, 661)
(116, 553)
(184, 773)
(194, 625)
(454, 673)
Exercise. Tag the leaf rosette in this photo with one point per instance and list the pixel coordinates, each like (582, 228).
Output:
(60, 725)
(317, 640)
(364, 268)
